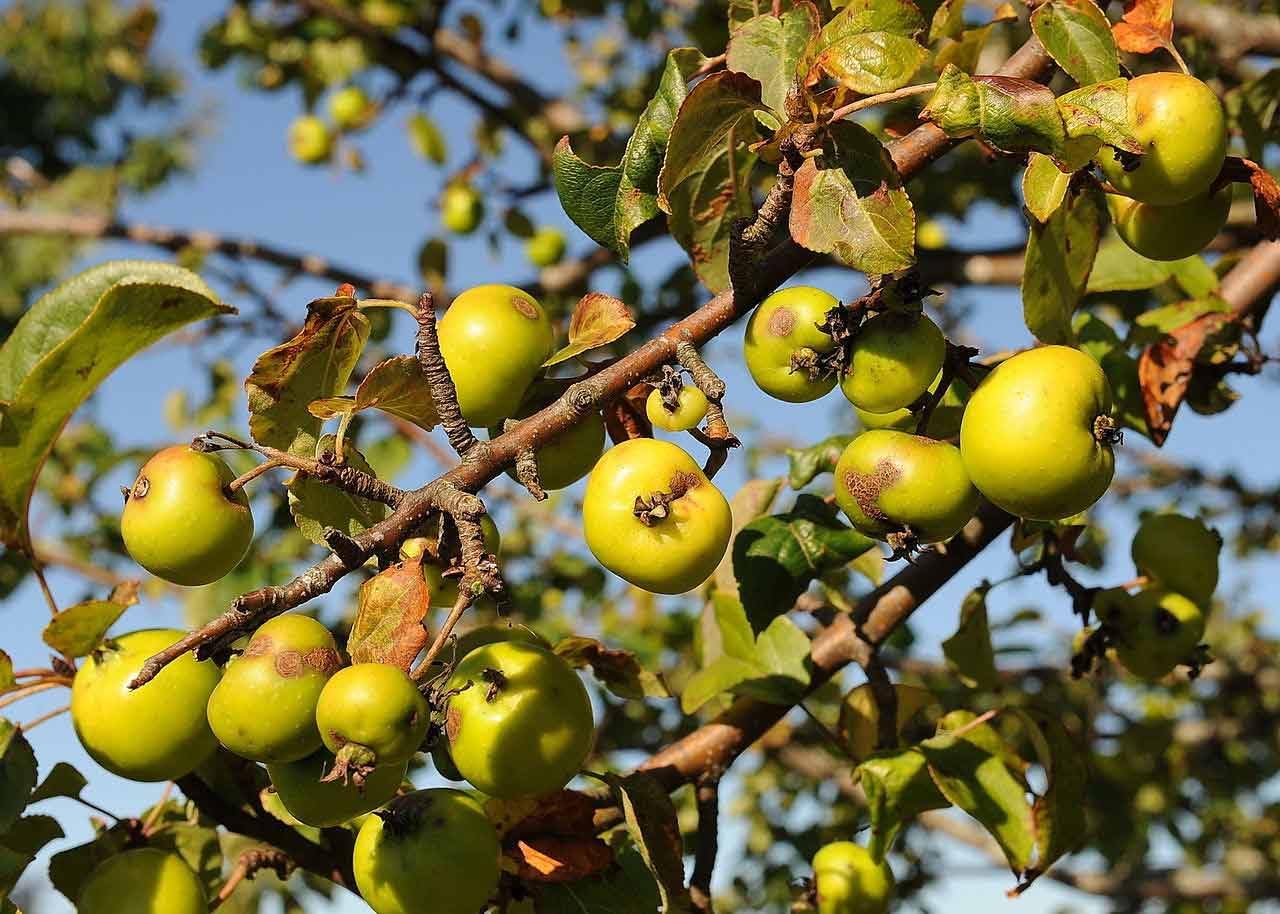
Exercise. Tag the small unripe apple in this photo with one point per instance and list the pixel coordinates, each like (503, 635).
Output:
(546, 247)
(461, 209)
(691, 408)
(310, 141)
(1180, 122)
(848, 880)
(350, 108)
(179, 520)
(1180, 554)
(1170, 232)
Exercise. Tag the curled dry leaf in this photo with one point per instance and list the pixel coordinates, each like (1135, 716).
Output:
(1147, 25)
(566, 813)
(1165, 368)
(389, 627)
(625, 417)
(1266, 192)
(597, 320)
(553, 859)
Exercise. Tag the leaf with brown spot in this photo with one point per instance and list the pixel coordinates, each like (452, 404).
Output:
(618, 671)
(1146, 26)
(597, 320)
(567, 813)
(389, 627)
(316, 362)
(554, 859)
(1266, 192)
(1165, 368)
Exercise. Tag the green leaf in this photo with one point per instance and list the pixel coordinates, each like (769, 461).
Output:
(78, 630)
(771, 50)
(1059, 816)
(316, 363)
(426, 138)
(775, 558)
(17, 773)
(1078, 37)
(1013, 115)
(12, 865)
(618, 671)
(651, 821)
(69, 869)
(7, 682)
(1059, 257)
(608, 202)
(1119, 268)
(966, 51)
(316, 505)
(389, 624)
(807, 463)
(30, 834)
(1044, 186)
(63, 780)
(850, 202)
(772, 668)
(751, 501)
(971, 772)
(859, 725)
(898, 788)
(1155, 323)
(968, 651)
(1100, 112)
(718, 113)
(870, 46)
(947, 21)
(627, 888)
(65, 346)
(194, 838)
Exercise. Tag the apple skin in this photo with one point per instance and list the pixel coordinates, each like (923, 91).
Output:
(676, 553)
(494, 339)
(786, 324)
(1181, 124)
(849, 881)
(1029, 434)
(180, 523)
(1170, 232)
(1178, 553)
(895, 358)
(146, 881)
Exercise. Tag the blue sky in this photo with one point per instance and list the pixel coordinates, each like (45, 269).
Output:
(247, 184)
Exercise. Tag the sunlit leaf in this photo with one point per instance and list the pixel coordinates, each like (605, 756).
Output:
(1077, 36)
(597, 320)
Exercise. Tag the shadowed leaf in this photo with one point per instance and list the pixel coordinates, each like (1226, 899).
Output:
(618, 671)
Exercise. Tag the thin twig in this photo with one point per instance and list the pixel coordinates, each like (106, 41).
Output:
(704, 862)
(886, 699)
(48, 715)
(149, 824)
(443, 392)
(34, 688)
(460, 606)
(884, 98)
(38, 570)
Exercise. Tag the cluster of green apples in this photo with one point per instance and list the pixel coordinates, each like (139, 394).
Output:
(312, 138)
(336, 742)
(1161, 626)
(1165, 206)
(1034, 436)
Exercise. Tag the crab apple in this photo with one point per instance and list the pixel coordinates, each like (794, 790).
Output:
(691, 409)
(891, 482)
(848, 880)
(142, 881)
(461, 209)
(1178, 553)
(324, 804)
(430, 850)
(264, 708)
(1181, 125)
(653, 518)
(1170, 232)
(494, 339)
(350, 108)
(1037, 434)
(310, 141)
(568, 456)
(520, 723)
(371, 714)
(157, 732)
(1154, 631)
(895, 357)
(545, 247)
(943, 423)
(179, 521)
(783, 341)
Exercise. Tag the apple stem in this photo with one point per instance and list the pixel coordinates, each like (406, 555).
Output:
(717, 436)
